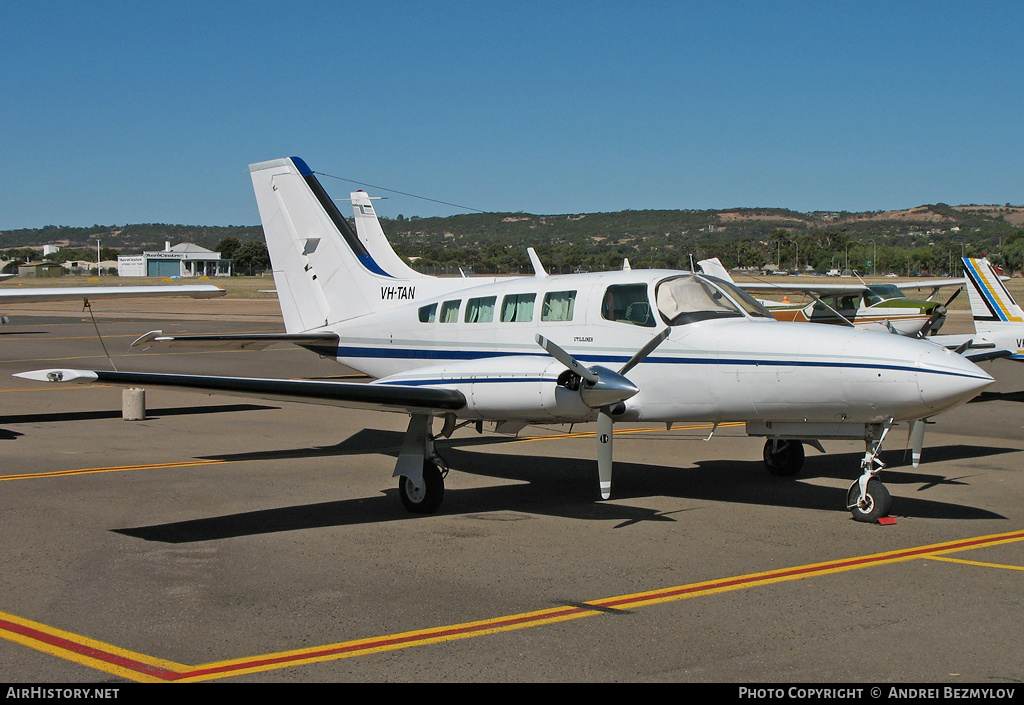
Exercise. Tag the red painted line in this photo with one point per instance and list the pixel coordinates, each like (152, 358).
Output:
(87, 651)
(591, 608)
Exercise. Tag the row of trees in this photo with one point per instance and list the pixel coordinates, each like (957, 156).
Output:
(816, 251)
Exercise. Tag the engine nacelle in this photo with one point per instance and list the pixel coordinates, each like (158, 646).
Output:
(515, 388)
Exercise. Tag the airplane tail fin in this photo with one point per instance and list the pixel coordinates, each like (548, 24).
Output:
(714, 268)
(323, 271)
(992, 306)
(372, 236)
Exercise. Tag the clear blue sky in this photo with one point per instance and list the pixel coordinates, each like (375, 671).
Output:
(128, 112)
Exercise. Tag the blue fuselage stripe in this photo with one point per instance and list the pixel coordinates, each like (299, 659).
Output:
(441, 355)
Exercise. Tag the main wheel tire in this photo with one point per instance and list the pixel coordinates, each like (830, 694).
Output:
(877, 501)
(783, 457)
(426, 499)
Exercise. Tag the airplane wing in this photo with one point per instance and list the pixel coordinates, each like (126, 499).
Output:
(808, 287)
(240, 341)
(93, 293)
(928, 284)
(364, 395)
(715, 268)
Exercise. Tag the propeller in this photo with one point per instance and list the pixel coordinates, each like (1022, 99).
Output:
(934, 321)
(916, 440)
(602, 389)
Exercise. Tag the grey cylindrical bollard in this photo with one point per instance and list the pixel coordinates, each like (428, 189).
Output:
(133, 404)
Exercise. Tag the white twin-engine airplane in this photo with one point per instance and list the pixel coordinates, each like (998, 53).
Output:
(655, 346)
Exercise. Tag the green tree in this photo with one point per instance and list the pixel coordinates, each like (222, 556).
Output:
(228, 247)
(251, 258)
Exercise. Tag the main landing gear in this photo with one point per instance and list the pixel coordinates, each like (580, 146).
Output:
(426, 498)
(783, 457)
(419, 468)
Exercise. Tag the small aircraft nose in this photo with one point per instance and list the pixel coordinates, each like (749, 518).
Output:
(952, 379)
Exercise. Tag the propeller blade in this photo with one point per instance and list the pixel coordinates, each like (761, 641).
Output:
(955, 294)
(916, 441)
(645, 351)
(604, 452)
(926, 329)
(566, 359)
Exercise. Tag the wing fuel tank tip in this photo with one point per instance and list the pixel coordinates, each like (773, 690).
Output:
(58, 375)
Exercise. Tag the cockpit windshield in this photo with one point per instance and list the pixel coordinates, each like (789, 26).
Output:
(689, 298)
(878, 293)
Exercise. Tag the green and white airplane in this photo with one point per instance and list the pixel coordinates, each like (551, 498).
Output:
(857, 304)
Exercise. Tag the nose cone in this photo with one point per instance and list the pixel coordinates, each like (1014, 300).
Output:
(948, 379)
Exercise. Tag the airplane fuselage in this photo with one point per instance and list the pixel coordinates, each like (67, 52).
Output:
(739, 368)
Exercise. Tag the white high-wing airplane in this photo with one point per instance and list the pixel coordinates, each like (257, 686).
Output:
(884, 307)
(558, 349)
(998, 319)
(87, 294)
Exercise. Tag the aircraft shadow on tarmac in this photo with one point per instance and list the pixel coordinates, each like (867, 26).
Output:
(566, 487)
(997, 396)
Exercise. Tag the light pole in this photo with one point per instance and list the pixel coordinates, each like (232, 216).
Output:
(874, 256)
(98, 270)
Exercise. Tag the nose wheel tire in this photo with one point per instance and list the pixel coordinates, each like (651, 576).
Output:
(783, 457)
(425, 499)
(876, 504)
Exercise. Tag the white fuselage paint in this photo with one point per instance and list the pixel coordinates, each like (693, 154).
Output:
(735, 369)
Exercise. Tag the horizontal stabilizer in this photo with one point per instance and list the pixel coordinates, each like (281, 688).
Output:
(240, 341)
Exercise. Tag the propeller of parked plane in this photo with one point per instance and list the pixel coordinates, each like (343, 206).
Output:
(602, 389)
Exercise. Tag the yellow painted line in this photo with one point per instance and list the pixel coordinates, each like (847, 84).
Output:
(978, 563)
(590, 434)
(87, 652)
(140, 667)
(113, 468)
(55, 388)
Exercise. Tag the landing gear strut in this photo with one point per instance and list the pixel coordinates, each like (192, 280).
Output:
(868, 499)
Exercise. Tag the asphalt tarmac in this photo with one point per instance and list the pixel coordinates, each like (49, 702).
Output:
(238, 540)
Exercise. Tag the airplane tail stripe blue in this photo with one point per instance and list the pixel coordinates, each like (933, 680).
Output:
(340, 222)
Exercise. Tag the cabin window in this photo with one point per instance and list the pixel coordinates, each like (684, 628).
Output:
(517, 308)
(480, 310)
(628, 303)
(558, 306)
(450, 312)
(428, 313)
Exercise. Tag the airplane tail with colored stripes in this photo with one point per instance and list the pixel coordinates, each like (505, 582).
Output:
(997, 316)
(992, 306)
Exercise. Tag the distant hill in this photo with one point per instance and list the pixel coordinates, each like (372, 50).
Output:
(740, 236)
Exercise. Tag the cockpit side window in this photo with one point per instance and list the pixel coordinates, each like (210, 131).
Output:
(628, 303)
(688, 299)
